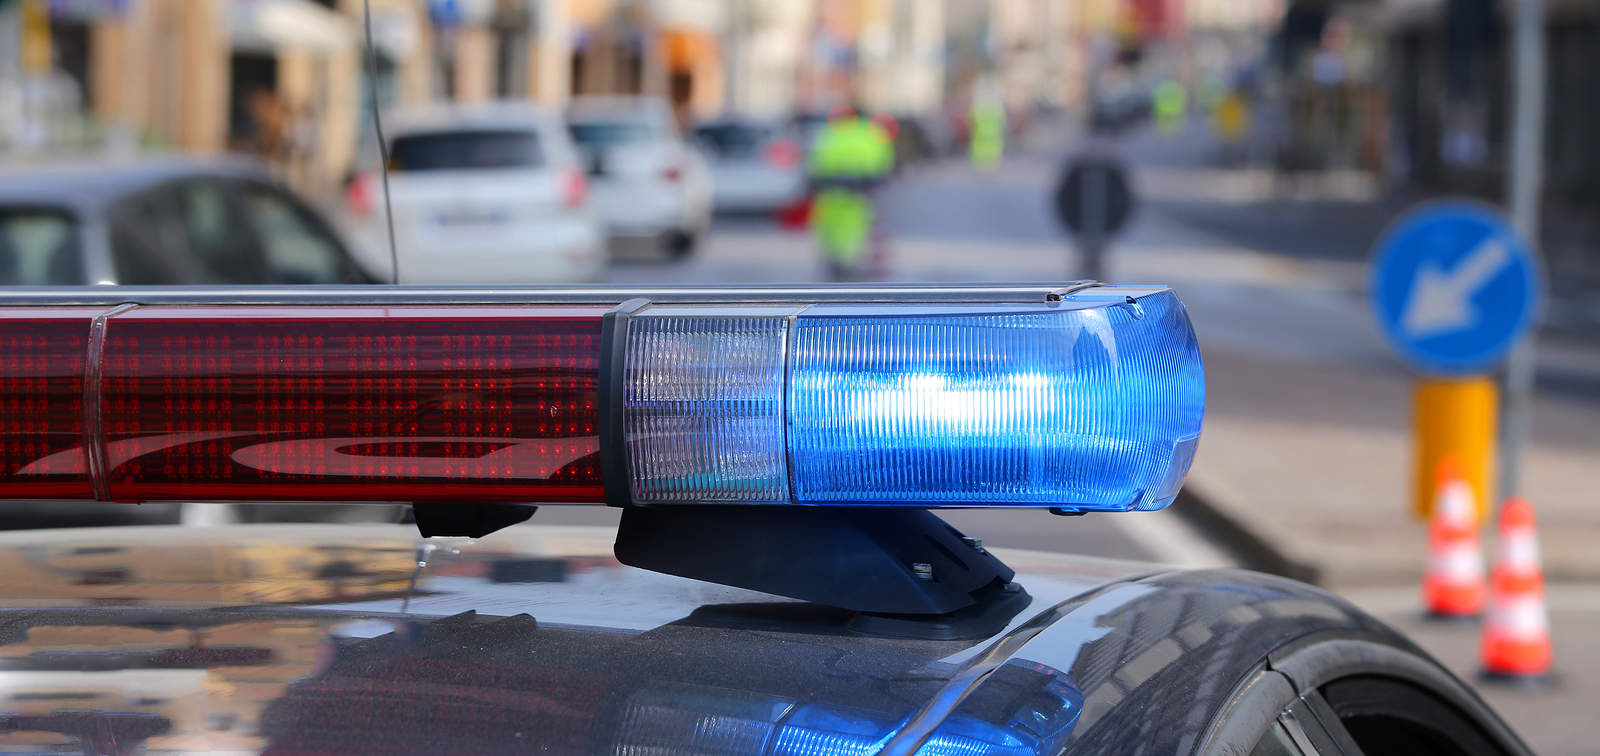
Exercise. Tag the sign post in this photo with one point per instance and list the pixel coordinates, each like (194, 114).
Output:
(1527, 165)
(1455, 288)
(1454, 418)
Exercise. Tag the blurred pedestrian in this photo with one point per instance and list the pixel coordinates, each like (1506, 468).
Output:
(1169, 103)
(852, 157)
(988, 143)
(268, 127)
(1231, 122)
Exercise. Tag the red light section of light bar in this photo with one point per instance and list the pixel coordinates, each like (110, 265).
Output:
(42, 357)
(348, 404)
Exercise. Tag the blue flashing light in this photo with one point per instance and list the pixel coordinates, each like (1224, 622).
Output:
(1092, 403)
(1094, 406)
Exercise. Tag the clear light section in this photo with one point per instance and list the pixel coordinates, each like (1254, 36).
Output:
(703, 408)
(1093, 406)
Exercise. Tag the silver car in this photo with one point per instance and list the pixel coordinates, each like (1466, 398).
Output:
(159, 221)
(482, 193)
(646, 182)
(756, 166)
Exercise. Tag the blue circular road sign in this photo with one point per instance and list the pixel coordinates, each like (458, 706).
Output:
(1454, 287)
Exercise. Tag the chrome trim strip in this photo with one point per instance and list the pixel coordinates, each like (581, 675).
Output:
(439, 295)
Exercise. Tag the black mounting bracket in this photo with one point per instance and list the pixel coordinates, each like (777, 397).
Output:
(449, 518)
(869, 559)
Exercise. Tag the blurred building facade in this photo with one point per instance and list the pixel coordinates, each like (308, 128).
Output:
(283, 79)
(1419, 94)
(766, 43)
(289, 80)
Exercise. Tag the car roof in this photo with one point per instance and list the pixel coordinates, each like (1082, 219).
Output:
(748, 122)
(352, 637)
(87, 186)
(618, 106)
(494, 114)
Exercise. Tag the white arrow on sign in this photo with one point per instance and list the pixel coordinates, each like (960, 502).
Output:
(1440, 301)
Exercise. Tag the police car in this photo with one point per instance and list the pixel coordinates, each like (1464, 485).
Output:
(779, 583)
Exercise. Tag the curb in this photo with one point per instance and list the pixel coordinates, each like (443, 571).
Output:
(1254, 549)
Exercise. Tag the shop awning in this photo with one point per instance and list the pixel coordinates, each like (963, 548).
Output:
(268, 26)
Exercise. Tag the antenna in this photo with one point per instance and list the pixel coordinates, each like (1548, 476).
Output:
(383, 149)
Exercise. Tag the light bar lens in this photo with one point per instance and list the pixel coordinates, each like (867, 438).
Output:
(704, 419)
(42, 356)
(407, 404)
(1092, 408)
(1093, 402)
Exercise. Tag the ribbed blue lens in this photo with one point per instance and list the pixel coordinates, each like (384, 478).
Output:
(1093, 405)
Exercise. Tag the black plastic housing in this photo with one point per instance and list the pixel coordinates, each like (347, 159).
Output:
(869, 559)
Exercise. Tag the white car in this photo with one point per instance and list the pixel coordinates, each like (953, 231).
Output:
(756, 165)
(646, 181)
(482, 193)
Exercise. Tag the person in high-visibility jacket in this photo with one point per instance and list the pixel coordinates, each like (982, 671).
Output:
(852, 155)
(1169, 104)
(988, 138)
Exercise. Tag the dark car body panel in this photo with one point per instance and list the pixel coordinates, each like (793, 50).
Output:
(332, 639)
(96, 195)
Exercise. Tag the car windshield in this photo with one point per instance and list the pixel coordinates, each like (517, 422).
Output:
(733, 139)
(603, 134)
(809, 124)
(38, 248)
(464, 150)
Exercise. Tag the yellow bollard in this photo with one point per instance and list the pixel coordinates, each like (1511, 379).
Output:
(1454, 417)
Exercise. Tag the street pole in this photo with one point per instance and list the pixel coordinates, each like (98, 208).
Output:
(1525, 179)
(1092, 241)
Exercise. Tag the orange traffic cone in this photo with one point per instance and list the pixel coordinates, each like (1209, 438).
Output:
(1516, 634)
(1453, 585)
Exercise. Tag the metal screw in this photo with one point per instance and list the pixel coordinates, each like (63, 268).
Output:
(923, 570)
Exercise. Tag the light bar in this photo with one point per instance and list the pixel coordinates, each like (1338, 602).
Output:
(984, 396)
